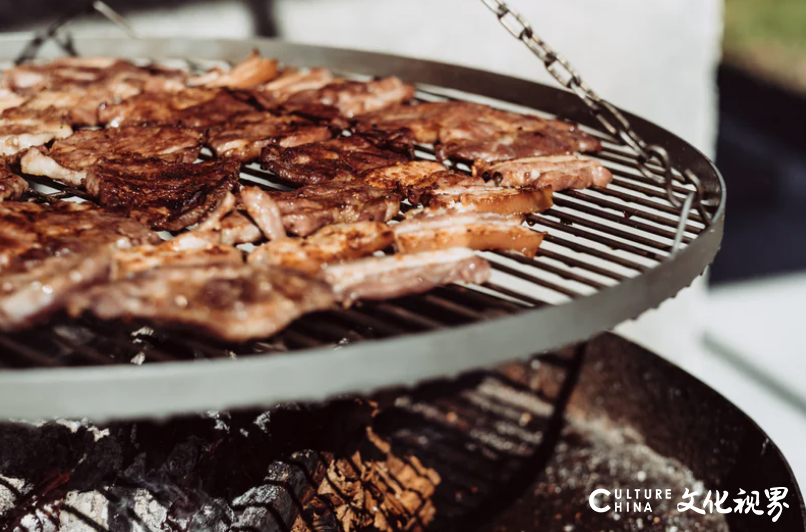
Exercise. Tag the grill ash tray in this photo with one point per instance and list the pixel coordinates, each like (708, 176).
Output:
(521, 448)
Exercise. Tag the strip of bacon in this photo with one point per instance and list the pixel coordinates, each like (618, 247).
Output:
(393, 276)
(485, 198)
(428, 231)
(331, 244)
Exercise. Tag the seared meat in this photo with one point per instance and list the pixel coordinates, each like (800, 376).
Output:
(291, 82)
(398, 275)
(262, 208)
(68, 160)
(48, 252)
(330, 244)
(79, 87)
(79, 74)
(244, 136)
(559, 173)
(12, 186)
(309, 208)
(160, 194)
(238, 229)
(490, 199)
(233, 303)
(505, 146)
(415, 178)
(350, 98)
(460, 138)
(184, 252)
(342, 158)
(475, 230)
(21, 130)
(249, 73)
(422, 122)
(9, 99)
(189, 108)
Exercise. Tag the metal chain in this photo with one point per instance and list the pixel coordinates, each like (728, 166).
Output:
(608, 115)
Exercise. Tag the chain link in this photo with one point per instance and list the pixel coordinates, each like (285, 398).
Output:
(606, 113)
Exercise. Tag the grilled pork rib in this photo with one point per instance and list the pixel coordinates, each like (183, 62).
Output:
(559, 173)
(68, 160)
(341, 158)
(398, 275)
(49, 252)
(234, 303)
(474, 230)
(331, 244)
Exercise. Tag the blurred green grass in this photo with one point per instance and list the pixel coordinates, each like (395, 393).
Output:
(768, 37)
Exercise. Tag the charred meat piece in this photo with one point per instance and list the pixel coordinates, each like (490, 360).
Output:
(421, 122)
(249, 73)
(309, 208)
(233, 303)
(344, 98)
(12, 186)
(291, 82)
(236, 228)
(24, 129)
(188, 108)
(398, 275)
(68, 160)
(159, 194)
(474, 230)
(244, 136)
(559, 173)
(331, 244)
(416, 178)
(48, 252)
(262, 208)
(485, 198)
(342, 158)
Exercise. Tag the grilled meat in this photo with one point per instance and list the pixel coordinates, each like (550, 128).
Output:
(309, 208)
(21, 130)
(262, 208)
(415, 178)
(341, 158)
(330, 244)
(485, 198)
(244, 136)
(160, 194)
(213, 220)
(291, 82)
(559, 172)
(398, 275)
(421, 122)
(344, 98)
(505, 146)
(198, 108)
(12, 186)
(249, 73)
(482, 231)
(9, 99)
(236, 228)
(233, 303)
(48, 252)
(69, 160)
(186, 252)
